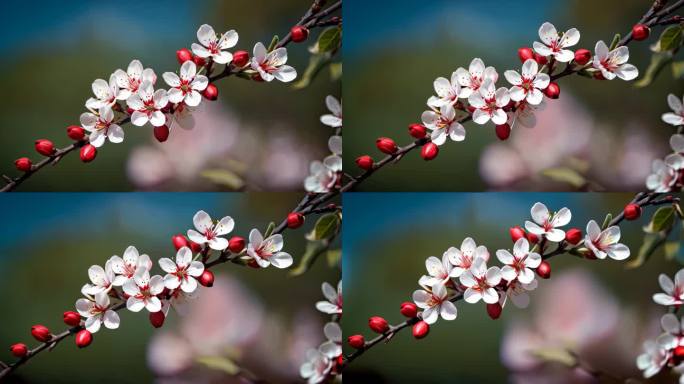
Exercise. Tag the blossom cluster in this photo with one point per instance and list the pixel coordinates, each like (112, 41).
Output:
(326, 175)
(474, 90)
(667, 350)
(324, 362)
(667, 173)
(464, 272)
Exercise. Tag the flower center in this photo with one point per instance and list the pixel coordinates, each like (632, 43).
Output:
(209, 234)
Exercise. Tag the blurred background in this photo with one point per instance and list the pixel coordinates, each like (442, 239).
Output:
(262, 320)
(53, 52)
(599, 309)
(609, 131)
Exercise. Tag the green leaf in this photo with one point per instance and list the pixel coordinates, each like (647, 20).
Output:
(224, 177)
(329, 40)
(274, 42)
(678, 69)
(220, 364)
(311, 253)
(658, 62)
(556, 355)
(335, 71)
(670, 40)
(614, 43)
(269, 229)
(326, 226)
(334, 256)
(606, 221)
(316, 64)
(662, 219)
(650, 244)
(565, 175)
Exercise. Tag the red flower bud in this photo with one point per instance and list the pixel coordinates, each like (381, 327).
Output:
(525, 53)
(83, 338)
(679, 352)
(356, 341)
(386, 145)
(23, 164)
(157, 319)
(364, 162)
(541, 60)
(183, 55)
(532, 238)
(199, 61)
(552, 91)
(420, 329)
(240, 58)
(194, 246)
(599, 76)
(210, 92)
(299, 33)
(75, 132)
(378, 324)
(516, 233)
(72, 318)
(417, 130)
(207, 278)
(88, 153)
(632, 211)
(409, 309)
(295, 220)
(161, 133)
(179, 241)
(640, 32)
(573, 236)
(429, 151)
(494, 310)
(582, 56)
(544, 270)
(45, 147)
(41, 333)
(19, 349)
(503, 131)
(236, 244)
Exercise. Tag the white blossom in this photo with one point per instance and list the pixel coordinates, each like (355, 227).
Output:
(676, 117)
(462, 259)
(102, 127)
(443, 124)
(129, 81)
(333, 347)
(334, 118)
(520, 264)
(481, 282)
(448, 91)
(147, 105)
(268, 251)
(673, 290)
(333, 303)
(183, 272)
(98, 312)
(529, 85)
(186, 88)
(209, 233)
(555, 44)
(106, 94)
(143, 290)
(271, 65)
(489, 103)
(101, 279)
(212, 46)
(547, 223)
(470, 80)
(125, 267)
(613, 63)
(605, 243)
(435, 303)
(316, 368)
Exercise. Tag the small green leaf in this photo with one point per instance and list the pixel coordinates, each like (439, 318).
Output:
(334, 257)
(565, 175)
(662, 219)
(678, 69)
(269, 229)
(670, 40)
(274, 42)
(311, 253)
(606, 221)
(219, 363)
(329, 40)
(614, 43)
(326, 226)
(224, 177)
(658, 62)
(645, 251)
(316, 64)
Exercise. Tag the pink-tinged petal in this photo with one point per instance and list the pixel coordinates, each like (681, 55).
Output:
(222, 57)
(175, 95)
(548, 33)
(600, 51)
(570, 38)
(115, 134)
(521, 248)
(457, 132)
(508, 273)
(139, 118)
(224, 226)
(327, 307)
(464, 80)
(281, 260)
(134, 304)
(525, 276)
(255, 239)
(196, 268)
(200, 51)
(533, 260)
(555, 235)
(542, 49)
(183, 257)
(675, 103)
(539, 213)
(517, 93)
(156, 285)
(679, 278)
(490, 296)
(149, 75)
(228, 40)
(188, 70)
(520, 300)
(199, 83)
(259, 52)
(438, 136)
(153, 304)
(677, 143)
(593, 230)
(130, 288)
(206, 35)
(218, 243)
(480, 116)
(442, 86)
(663, 299)
(541, 81)
(493, 276)
(171, 282)
(618, 252)
(472, 296)
(481, 252)
(157, 119)
(193, 99)
(429, 118)
(171, 79)
(627, 72)
(111, 319)
(285, 73)
(504, 256)
(534, 96)
(188, 285)
(448, 311)
(83, 306)
(196, 237)
(88, 121)
(529, 69)
(430, 315)
(513, 77)
(468, 279)
(202, 221)
(476, 68)
(434, 266)
(562, 217)
(92, 324)
(499, 116)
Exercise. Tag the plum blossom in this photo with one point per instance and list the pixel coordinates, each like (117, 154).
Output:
(489, 103)
(474, 77)
(321, 178)
(268, 251)
(517, 292)
(106, 94)
(674, 291)
(143, 290)
(316, 367)
(186, 88)
(674, 332)
(333, 303)
(183, 272)
(208, 233)
(448, 91)
(334, 161)
(529, 85)
(676, 117)
(125, 267)
(481, 282)
(605, 243)
(554, 44)
(334, 118)
(663, 177)
(440, 272)
(98, 312)
(130, 80)
(435, 303)
(333, 347)
(147, 105)
(524, 114)
(462, 259)
(545, 223)
(102, 127)
(101, 279)
(520, 264)
(271, 65)
(179, 300)
(653, 359)
(613, 63)
(443, 124)
(213, 46)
